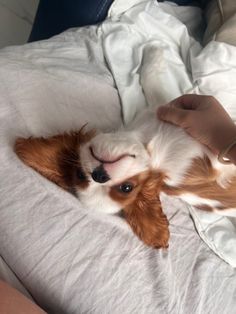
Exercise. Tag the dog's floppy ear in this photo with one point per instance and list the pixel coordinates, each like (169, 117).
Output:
(54, 157)
(146, 217)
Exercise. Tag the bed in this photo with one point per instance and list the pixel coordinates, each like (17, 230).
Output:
(70, 260)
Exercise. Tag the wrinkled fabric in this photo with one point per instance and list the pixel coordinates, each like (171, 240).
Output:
(163, 61)
(74, 261)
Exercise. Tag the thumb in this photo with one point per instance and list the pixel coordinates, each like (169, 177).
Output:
(171, 114)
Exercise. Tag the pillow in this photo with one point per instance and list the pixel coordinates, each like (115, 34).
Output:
(221, 21)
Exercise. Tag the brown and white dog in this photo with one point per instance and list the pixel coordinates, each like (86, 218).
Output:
(128, 169)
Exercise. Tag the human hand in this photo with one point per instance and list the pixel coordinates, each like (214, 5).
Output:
(203, 118)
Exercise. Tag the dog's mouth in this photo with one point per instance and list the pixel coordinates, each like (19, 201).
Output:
(110, 161)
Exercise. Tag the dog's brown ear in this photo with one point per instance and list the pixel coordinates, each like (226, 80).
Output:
(146, 217)
(54, 157)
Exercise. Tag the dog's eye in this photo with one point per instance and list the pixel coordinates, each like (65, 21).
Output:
(80, 175)
(126, 187)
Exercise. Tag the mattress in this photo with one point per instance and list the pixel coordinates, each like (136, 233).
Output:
(74, 261)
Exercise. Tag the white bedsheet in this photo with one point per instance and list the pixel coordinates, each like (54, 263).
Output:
(72, 261)
(156, 32)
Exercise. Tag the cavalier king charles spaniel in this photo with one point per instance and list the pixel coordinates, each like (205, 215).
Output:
(125, 171)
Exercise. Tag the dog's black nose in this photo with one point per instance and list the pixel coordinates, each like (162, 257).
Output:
(100, 175)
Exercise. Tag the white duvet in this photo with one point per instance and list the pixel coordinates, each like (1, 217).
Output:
(72, 261)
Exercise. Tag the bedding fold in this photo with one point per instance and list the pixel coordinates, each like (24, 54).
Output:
(75, 261)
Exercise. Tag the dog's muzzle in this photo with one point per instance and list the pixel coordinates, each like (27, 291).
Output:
(100, 175)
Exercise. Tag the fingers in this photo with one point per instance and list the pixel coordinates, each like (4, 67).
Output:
(177, 110)
(187, 102)
(172, 114)
(181, 108)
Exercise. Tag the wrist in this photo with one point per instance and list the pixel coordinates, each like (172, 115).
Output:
(224, 140)
(232, 154)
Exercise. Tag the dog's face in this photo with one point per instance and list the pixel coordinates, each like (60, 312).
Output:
(113, 165)
(111, 158)
(107, 173)
(116, 171)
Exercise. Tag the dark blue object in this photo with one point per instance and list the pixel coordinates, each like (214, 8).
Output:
(183, 2)
(55, 16)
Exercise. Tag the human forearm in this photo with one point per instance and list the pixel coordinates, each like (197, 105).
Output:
(204, 118)
(12, 301)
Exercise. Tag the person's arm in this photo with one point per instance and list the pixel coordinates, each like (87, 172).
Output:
(12, 302)
(205, 119)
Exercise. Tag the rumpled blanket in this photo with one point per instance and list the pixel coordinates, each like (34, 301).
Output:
(74, 261)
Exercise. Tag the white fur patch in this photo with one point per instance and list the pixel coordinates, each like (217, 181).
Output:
(226, 173)
(110, 146)
(197, 201)
(229, 212)
(157, 146)
(172, 151)
(96, 198)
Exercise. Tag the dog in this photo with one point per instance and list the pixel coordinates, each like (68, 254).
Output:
(127, 170)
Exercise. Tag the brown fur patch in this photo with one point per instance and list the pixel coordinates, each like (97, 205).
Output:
(56, 158)
(142, 209)
(200, 180)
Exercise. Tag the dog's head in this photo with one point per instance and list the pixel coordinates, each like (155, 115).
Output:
(107, 172)
(118, 165)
